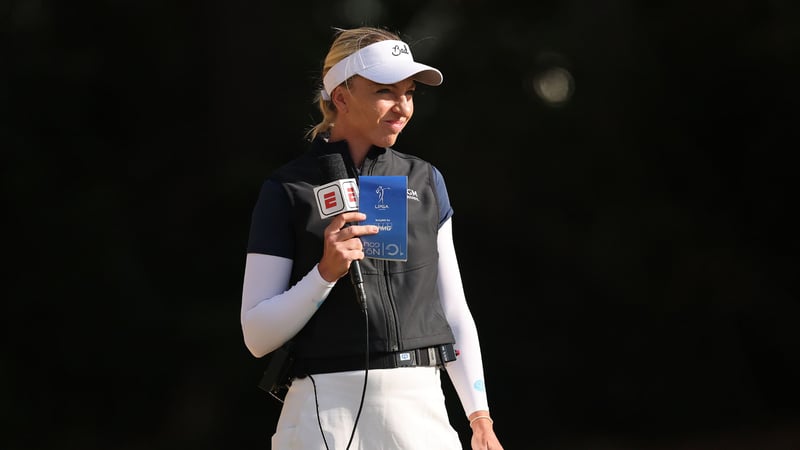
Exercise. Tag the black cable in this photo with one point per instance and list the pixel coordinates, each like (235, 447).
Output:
(363, 389)
(319, 421)
(366, 374)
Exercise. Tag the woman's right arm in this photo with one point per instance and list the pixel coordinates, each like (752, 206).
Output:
(272, 311)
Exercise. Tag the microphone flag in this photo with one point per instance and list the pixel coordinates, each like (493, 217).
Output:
(336, 197)
(384, 199)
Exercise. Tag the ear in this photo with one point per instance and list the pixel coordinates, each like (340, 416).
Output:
(339, 98)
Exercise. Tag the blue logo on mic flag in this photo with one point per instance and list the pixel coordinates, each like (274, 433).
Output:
(383, 199)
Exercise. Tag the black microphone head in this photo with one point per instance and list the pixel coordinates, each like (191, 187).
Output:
(333, 168)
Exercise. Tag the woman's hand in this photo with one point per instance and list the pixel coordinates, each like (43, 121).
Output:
(483, 437)
(341, 245)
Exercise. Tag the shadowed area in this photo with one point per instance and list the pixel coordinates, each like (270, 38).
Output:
(620, 172)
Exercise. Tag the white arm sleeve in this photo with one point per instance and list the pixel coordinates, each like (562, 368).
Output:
(466, 372)
(272, 311)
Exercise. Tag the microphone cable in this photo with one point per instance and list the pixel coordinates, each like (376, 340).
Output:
(366, 374)
(363, 389)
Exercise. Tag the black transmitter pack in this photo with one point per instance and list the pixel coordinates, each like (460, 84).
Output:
(447, 353)
(276, 379)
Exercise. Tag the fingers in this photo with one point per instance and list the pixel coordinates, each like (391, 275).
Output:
(344, 232)
(338, 222)
(341, 244)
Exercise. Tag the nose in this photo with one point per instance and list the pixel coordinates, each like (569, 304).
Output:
(403, 105)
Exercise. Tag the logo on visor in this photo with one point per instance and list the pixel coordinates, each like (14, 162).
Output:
(397, 50)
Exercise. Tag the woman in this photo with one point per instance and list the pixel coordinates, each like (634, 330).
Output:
(415, 319)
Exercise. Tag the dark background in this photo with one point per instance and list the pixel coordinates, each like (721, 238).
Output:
(629, 254)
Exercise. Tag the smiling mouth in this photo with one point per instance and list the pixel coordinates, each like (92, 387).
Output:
(396, 124)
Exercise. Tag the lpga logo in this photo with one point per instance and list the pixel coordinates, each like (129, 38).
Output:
(381, 191)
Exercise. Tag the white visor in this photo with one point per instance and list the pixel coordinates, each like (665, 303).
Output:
(384, 62)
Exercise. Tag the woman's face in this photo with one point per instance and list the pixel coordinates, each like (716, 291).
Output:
(375, 113)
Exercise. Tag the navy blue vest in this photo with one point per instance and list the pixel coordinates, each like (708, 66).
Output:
(403, 305)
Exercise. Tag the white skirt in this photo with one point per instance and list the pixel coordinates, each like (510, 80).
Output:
(404, 409)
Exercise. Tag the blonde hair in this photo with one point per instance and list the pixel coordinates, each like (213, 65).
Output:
(345, 43)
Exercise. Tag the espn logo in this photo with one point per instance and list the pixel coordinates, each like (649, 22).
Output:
(337, 197)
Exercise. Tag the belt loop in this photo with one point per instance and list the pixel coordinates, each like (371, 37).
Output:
(432, 360)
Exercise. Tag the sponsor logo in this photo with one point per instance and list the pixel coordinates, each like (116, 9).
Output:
(399, 50)
(337, 197)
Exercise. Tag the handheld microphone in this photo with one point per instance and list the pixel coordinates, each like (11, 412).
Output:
(335, 175)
